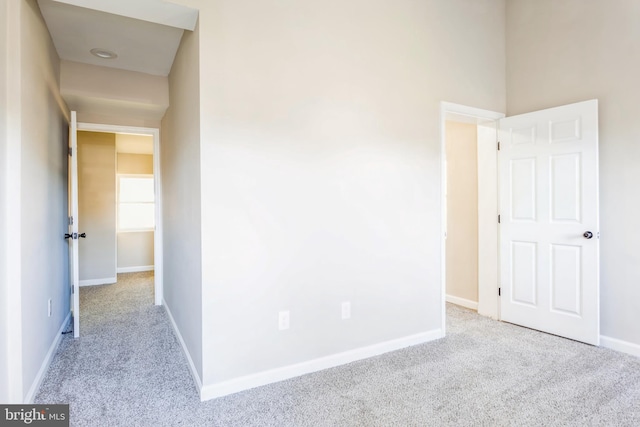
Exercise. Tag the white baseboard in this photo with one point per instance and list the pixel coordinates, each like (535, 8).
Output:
(473, 305)
(211, 391)
(134, 269)
(619, 345)
(46, 362)
(192, 366)
(103, 281)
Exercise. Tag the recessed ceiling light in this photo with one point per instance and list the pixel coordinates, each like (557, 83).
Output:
(103, 53)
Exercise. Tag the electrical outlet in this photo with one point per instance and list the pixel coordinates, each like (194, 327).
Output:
(346, 310)
(49, 307)
(283, 320)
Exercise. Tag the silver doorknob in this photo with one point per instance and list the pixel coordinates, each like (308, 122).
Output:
(588, 234)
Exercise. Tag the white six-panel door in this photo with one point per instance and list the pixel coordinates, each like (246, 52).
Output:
(548, 163)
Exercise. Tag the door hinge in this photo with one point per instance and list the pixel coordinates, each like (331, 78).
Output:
(70, 220)
(70, 151)
(499, 291)
(498, 219)
(498, 145)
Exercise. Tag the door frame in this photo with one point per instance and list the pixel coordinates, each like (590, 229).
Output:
(488, 248)
(158, 232)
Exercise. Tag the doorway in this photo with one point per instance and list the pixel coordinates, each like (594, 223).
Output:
(138, 169)
(462, 213)
(469, 208)
(546, 182)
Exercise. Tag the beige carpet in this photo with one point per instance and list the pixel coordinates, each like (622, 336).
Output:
(128, 370)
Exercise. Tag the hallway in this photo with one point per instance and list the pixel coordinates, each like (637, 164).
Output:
(127, 349)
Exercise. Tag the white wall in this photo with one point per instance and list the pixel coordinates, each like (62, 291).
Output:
(107, 95)
(590, 50)
(135, 251)
(462, 210)
(12, 165)
(181, 212)
(4, 301)
(43, 196)
(320, 169)
(97, 207)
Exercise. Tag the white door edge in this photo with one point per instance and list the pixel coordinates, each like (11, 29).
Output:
(73, 241)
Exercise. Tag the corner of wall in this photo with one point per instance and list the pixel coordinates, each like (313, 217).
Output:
(4, 302)
(12, 171)
(3, 206)
(192, 367)
(38, 169)
(180, 179)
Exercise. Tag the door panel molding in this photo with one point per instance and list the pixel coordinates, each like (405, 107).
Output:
(564, 175)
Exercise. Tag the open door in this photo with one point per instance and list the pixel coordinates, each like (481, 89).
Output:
(73, 236)
(549, 231)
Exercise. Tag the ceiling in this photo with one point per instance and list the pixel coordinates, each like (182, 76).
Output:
(140, 44)
(159, 11)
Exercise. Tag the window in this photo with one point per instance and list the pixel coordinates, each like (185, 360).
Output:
(136, 207)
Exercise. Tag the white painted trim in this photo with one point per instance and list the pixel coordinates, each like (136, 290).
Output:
(462, 302)
(443, 218)
(212, 391)
(157, 238)
(447, 108)
(192, 366)
(35, 386)
(619, 345)
(488, 228)
(158, 247)
(135, 269)
(94, 282)
(96, 127)
(477, 113)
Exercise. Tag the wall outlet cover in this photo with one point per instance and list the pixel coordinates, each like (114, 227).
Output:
(283, 320)
(346, 310)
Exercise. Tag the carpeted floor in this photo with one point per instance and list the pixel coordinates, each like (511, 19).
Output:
(128, 369)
